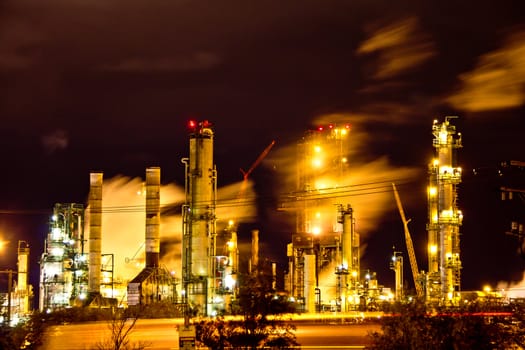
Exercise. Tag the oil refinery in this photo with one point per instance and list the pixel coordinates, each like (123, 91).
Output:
(324, 251)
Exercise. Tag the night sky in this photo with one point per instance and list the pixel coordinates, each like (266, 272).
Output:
(110, 85)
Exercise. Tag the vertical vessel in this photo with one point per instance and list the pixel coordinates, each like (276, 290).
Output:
(444, 217)
(198, 255)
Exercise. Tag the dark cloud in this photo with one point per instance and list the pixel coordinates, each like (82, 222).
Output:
(55, 141)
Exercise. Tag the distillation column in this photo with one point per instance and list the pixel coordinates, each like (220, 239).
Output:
(444, 263)
(348, 270)
(199, 221)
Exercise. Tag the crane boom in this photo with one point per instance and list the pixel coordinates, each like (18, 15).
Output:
(410, 247)
(257, 161)
(245, 174)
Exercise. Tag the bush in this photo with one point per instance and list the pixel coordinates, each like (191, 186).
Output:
(256, 301)
(413, 326)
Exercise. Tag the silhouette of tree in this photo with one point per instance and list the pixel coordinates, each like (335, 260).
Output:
(259, 325)
(474, 326)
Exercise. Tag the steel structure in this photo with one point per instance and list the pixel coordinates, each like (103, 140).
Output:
(64, 263)
(410, 246)
(199, 263)
(324, 253)
(444, 217)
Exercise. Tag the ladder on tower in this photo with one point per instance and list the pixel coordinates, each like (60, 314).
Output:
(410, 247)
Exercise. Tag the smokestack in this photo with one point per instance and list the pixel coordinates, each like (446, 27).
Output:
(152, 216)
(23, 262)
(95, 230)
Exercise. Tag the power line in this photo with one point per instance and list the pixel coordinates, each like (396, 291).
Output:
(363, 189)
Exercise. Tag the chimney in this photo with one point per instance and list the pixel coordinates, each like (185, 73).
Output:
(95, 230)
(152, 216)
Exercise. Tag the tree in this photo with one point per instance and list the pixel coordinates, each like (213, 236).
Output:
(121, 327)
(474, 326)
(259, 326)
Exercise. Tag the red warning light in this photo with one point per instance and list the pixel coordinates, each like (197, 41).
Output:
(192, 124)
(347, 126)
(330, 126)
(320, 128)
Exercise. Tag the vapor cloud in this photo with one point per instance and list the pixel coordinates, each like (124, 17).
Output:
(497, 81)
(400, 47)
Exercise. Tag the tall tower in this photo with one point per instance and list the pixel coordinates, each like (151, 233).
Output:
(322, 165)
(95, 232)
(152, 216)
(154, 283)
(348, 269)
(199, 222)
(444, 217)
(23, 288)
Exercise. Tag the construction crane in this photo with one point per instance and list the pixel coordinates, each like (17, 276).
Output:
(257, 161)
(410, 247)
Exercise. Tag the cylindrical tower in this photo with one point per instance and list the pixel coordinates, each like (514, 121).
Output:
(22, 287)
(95, 232)
(254, 261)
(444, 263)
(199, 219)
(152, 216)
(346, 239)
(397, 265)
(310, 271)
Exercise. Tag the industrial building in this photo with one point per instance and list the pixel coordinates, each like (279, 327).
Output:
(324, 269)
(64, 269)
(324, 258)
(16, 302)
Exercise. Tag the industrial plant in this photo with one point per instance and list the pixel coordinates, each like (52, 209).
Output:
(324, 270)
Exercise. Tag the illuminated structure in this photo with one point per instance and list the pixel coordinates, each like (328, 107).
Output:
(201, 282)
(64, 263)
(95, 234)
(154, 283)
(23, 289)
(397, 266)
(444, 217)
(324, 253)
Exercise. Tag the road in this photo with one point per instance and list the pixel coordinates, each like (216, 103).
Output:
(161, 334)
